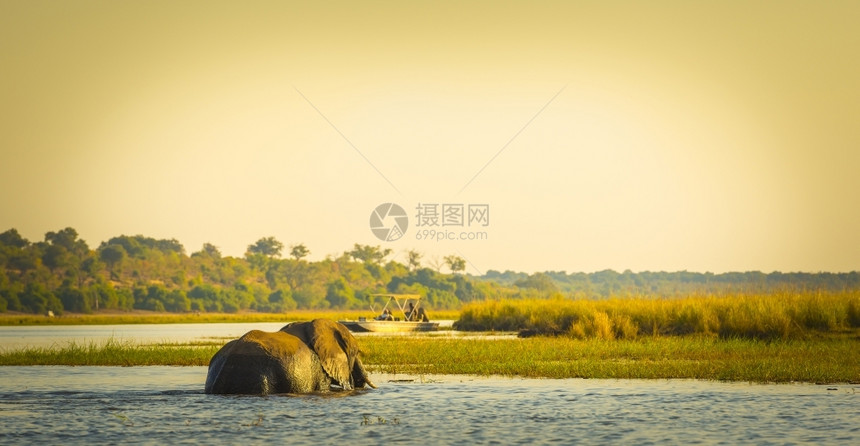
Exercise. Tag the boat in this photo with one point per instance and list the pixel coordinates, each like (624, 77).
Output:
(401, 313)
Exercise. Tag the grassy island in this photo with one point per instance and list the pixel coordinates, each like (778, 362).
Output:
(774, 338)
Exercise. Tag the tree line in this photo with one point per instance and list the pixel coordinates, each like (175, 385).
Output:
(62, 273)
(610, 283)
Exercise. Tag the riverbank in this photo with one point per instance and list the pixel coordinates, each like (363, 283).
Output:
(833, 358)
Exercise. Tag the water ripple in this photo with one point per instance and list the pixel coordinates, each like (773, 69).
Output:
(156, 405)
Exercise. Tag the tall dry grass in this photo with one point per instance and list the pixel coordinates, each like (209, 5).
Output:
(768, 316)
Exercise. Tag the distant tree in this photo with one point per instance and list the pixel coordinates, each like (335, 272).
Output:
(138, 245)
(176, 301)
(414, 259)
(37, 299)
(339, 294)
(280, 300)
(537, 281)
(368, 254)
(73, 299)
(267, 246)
(299, 251)
(208, 250)
(207, 295)
(13, 238)
(10, 297)
(131, 245)
(112, 255)
(92, 266)
(455, 263)
(68, 239)
(171, 245)
(24, 260)
(55, 257)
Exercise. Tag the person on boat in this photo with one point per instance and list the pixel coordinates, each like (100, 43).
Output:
(416, 314)
(421, 316)
(385, 316)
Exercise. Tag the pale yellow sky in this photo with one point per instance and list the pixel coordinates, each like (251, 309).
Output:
(706, 136)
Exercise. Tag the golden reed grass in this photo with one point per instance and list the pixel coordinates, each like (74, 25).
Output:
(766, 316)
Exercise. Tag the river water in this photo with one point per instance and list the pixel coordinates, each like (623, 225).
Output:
(166, 405)
(60, 335)
(12, 337)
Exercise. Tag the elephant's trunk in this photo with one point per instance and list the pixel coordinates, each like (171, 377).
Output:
(359, 375)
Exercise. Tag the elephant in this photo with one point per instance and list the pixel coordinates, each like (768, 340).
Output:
(302, 357)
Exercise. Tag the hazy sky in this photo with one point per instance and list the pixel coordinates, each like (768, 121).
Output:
(706, 136)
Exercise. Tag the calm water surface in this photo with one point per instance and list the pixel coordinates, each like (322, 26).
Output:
(166, 405)
(60, 335)
(12, 337)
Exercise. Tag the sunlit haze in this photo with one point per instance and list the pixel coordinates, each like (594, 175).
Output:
(700, 136)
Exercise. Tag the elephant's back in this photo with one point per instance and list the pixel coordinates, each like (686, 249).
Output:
(262, 363)
(276, 344)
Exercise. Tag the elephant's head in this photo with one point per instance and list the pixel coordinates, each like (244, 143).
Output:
(336, 348)
(301, 357)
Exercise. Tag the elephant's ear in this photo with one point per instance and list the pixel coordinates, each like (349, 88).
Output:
(337, 350)
(333, 343)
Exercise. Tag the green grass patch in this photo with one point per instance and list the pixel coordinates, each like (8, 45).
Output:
(827, 358)
(113, 353)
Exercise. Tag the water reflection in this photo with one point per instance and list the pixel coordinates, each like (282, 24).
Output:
(166, 405)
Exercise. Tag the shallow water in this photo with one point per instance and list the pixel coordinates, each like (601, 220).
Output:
(158, 405)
